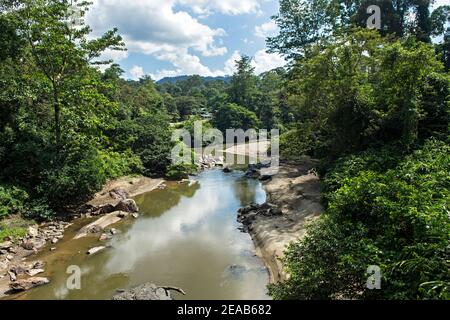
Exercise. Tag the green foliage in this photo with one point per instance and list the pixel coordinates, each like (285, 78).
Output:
(12, 232)
(397, 219)
(297, 142)
(180, 171)
(233, 116)
(12, 200)
(39, 210)
(306, 22)
(81, 172)
(372, 91)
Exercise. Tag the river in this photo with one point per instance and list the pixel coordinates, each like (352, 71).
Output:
(186, 236)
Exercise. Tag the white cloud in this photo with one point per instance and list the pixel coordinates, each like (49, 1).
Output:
(264, 61)
(230, 7)
(136, 72)
(268, 29)
(155, 28)
(230, 64)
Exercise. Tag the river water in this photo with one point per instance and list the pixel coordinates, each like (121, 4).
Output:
(186, 236)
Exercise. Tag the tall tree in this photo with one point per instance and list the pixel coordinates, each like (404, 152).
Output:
(304, 22)
(59, 43)
(242, 89)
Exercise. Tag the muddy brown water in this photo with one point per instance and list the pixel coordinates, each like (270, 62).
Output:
(186, 236)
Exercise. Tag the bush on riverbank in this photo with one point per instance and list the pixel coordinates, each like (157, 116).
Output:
(396, 219)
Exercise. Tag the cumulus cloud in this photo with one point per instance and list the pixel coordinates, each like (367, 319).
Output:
(268, 29)
(230, 7)
(155, 28)
(162, 29)
(264, 61)
(136, 72)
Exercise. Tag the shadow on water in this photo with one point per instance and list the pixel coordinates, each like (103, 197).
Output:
(186, 236)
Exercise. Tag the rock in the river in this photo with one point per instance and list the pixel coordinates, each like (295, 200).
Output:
(38, 264)
(104, 237)
(135, 215)
(34, 272)
(12, 276)
(128, 205)
(95, 250)
(147, 291)
(265, 177)
(27, 284)
(107, 208)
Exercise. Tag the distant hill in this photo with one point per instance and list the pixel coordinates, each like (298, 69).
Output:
(180, 78)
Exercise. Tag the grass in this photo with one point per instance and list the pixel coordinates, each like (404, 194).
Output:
(14, 227)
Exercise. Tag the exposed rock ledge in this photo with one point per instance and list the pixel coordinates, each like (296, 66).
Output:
(293, 200)
(147, 291)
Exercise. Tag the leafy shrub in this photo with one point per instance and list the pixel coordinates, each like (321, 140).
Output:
(12, 200)
(82, 172)
(297, 142)
(397, 220)
(180, 171)
(39, 210)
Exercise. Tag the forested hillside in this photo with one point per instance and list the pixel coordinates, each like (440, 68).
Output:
(374, 106)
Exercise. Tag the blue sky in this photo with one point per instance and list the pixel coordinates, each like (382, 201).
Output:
(177, 37)
(184, 37)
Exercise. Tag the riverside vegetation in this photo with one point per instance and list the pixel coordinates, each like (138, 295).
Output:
(371, 105)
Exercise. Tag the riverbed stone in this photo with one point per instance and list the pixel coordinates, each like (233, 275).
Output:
(128, 205)
(95, 250)
(147, 291)
(34, 272)
(27, 284)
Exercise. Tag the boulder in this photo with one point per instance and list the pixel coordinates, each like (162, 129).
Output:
(147, 291)
(104, 237)
(34, 272)
(95, 250)
(128, 205)
(107, 208)
(27, 284)
(28, 245)
(265, 177)
(118, 194)
(253, 173)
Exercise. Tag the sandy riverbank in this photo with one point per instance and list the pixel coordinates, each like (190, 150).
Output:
(295, 190)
